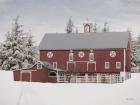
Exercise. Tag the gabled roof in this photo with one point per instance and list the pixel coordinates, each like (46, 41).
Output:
(102, 40)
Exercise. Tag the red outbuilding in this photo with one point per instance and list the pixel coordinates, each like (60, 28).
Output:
(40, 72)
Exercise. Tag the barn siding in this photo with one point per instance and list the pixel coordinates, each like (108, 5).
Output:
(33, 75)
(16, 75)
(26, 76)
(101, 56)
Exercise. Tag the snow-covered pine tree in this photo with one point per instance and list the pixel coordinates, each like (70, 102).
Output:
(133, 54)
(14, 49)
(31, 52)
(138, 50)
(106, 27)
(69, 26)
(95, 27)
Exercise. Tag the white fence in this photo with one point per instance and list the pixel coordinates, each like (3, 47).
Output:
(89, 79)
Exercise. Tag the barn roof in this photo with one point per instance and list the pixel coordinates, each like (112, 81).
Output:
(63, 41)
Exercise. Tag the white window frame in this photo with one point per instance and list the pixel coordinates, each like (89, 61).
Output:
(39, 67)
(107, 63)
(55, 65)
(71, 56)
(118, 63)
(91, 57)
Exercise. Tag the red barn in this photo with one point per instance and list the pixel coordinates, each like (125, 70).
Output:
(88, 57)
(40, 72)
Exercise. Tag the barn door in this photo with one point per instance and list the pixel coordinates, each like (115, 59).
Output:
(91, 67)
(71, 66)
(26, 76)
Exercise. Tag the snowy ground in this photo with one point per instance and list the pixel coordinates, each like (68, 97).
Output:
(17, 93)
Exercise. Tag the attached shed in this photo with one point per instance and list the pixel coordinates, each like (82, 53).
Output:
(40, 72)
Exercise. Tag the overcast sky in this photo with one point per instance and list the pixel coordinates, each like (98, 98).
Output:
(51, 16)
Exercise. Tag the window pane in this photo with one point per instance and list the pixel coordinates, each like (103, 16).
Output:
(118, 65)
(71, 57)
(107, 65)
(91, 57)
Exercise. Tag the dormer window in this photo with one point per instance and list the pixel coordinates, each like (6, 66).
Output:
(39, 65)
(91, 57)
(71, 56)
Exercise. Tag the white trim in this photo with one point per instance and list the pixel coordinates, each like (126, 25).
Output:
(84, 61)
(124, 59)
(27, 70)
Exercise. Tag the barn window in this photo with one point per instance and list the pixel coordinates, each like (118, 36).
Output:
(52, 73)
(107, 65)
(71, 56)
(49, 54)
(118, 65)
(55, 65)
(81, 54)
(39, 66)
(91, 57)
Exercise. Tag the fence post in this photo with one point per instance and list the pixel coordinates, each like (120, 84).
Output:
(110, 79)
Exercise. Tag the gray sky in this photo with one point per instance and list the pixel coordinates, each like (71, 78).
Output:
(51, 16)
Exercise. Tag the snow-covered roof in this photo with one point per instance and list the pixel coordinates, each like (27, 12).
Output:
(63, 41)
(50, 66)
(46, 64)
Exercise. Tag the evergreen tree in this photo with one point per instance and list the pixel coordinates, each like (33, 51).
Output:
(69, 26)
(138, 50)
(106, 27)
(133, 54)
(14, 50)
(31, 53)
(95, 27)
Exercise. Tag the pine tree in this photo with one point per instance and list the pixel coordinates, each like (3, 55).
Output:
(31, 53)
(134, 54)
(138, 50)
(106, 27)
(95, 27)
(14, 49)
(69, 26)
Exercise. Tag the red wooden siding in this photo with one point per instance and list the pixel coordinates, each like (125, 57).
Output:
(91, 67)
(100, 57)
(103, 56)
(81, 66)
(25, 76)
(34, 75)
(16, 75)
